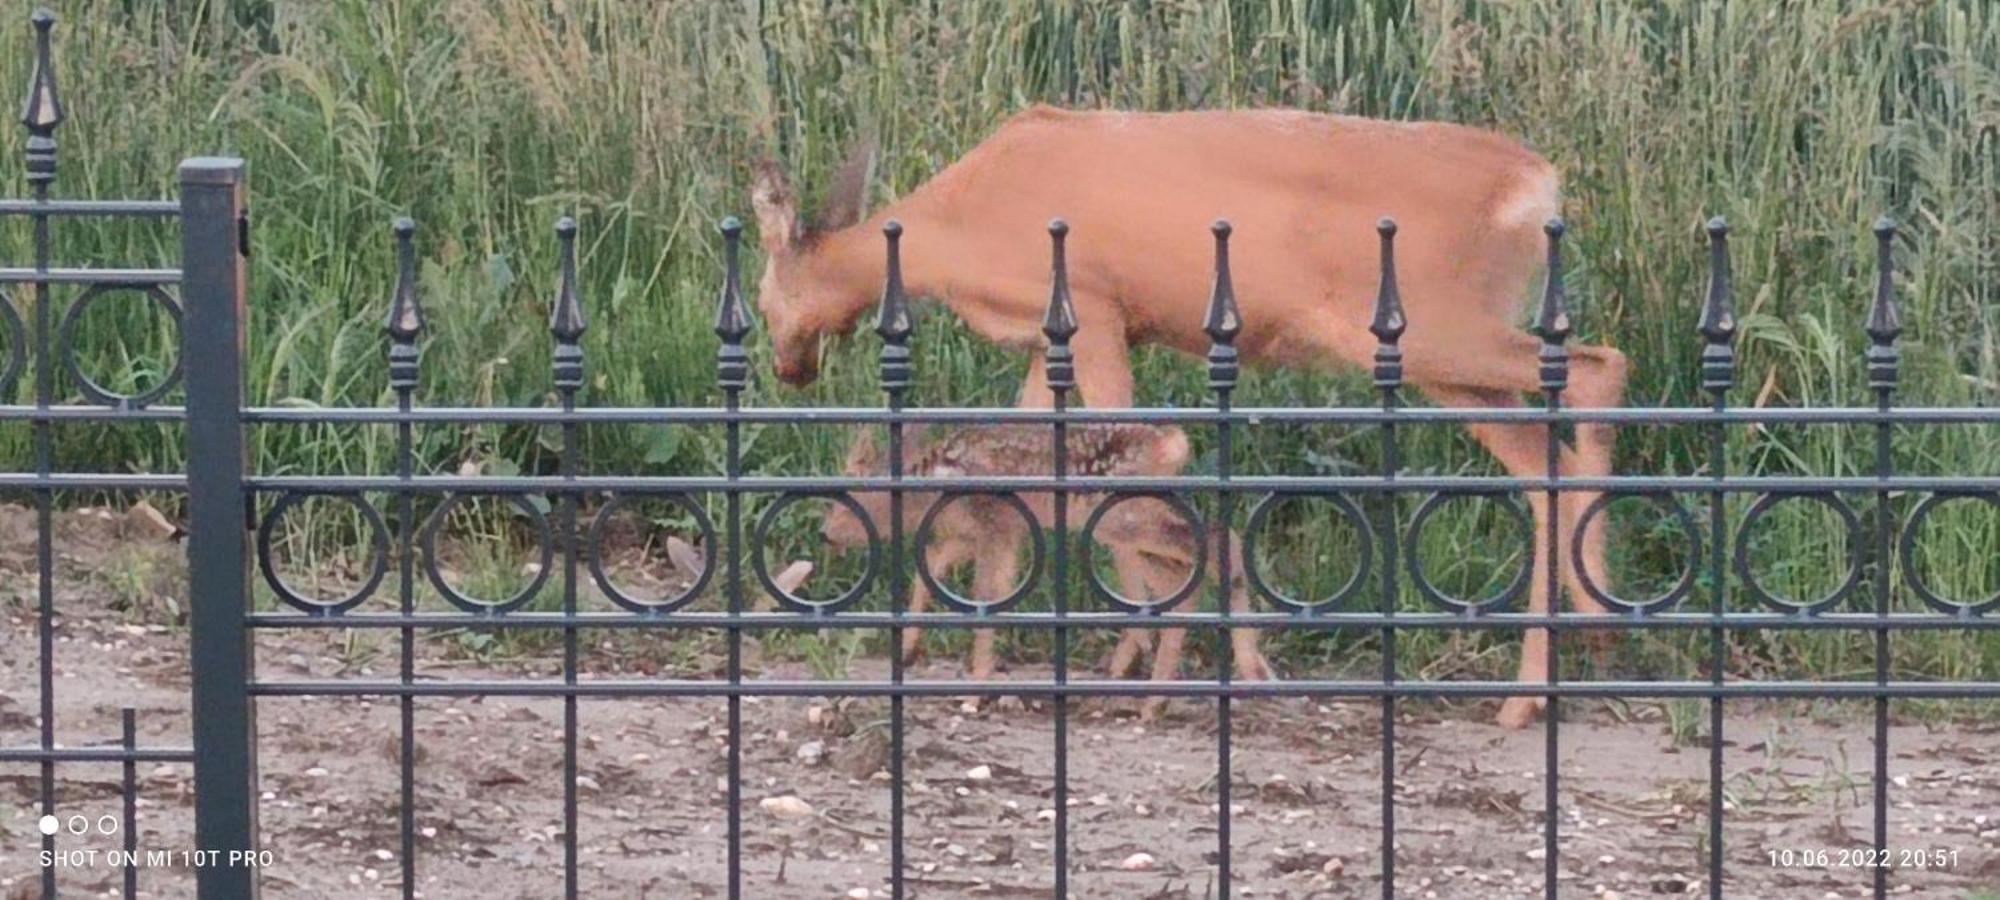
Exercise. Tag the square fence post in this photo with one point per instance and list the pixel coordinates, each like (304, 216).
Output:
(214, 278)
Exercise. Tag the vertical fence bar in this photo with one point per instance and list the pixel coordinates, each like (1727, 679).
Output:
(1885, 324)
(892, 323)
(732, 375)
(1553, 325)
(128, 788)
(1718, 374)
(214, 281)
(1222, 325)
(1387, 325)
(41, 114)
(1059, 325)
(404, 325)
(566, 325)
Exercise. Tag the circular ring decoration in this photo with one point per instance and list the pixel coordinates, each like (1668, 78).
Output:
(1848, 519)
(1036, 546)
(761, 535)
(1333, 601)
(1501, 597)
(1672, 595)
(91, 389)
(1182, 508)
(1913, 576)
(640, 604)
(545, 537)
(17, 345)
(378, 545)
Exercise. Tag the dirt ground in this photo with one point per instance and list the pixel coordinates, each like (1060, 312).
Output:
(1306, 783)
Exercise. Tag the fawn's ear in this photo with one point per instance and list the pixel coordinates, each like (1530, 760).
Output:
(777, 208)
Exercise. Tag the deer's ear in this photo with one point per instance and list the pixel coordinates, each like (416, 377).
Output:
(847, 196)
(777, 209)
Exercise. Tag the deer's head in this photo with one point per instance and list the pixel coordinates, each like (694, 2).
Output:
(800, 301)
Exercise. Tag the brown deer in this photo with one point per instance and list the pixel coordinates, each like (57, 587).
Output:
(1303, 192)
(988, 532)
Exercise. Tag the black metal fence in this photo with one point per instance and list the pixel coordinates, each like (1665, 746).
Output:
(226, 536)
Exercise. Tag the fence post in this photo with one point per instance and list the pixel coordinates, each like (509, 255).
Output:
(213, 286)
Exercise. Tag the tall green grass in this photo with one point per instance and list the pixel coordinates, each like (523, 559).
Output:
(485, 119)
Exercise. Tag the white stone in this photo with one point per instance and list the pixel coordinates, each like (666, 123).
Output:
(785, 807)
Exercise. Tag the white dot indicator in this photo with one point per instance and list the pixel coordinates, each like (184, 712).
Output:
(50, 825)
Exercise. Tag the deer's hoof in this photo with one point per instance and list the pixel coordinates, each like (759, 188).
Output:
(1150, 710)
(1519, 712)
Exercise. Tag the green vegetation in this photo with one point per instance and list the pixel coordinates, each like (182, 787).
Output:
(485, 119)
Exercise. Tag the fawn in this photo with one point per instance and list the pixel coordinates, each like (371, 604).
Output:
(988, 532)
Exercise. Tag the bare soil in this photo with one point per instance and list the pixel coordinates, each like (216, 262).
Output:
(1306, 779)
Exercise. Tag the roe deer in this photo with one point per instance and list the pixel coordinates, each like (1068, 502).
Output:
(1303, 191)
(988, 532)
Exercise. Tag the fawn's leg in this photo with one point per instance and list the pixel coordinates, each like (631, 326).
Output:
(1162, 579)
(1132, 570)
(939, 560)
(1104, 381)
(997, 571)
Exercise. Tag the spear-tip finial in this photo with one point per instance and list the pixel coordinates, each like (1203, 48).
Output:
(1388, 323)
(1885, 318)
(43, 110)
(1224, 320)
(1718, 311)
(566, 321)
(892, 321)
(405, 321)
(1059, 324)
(1552, 322)
(732, 322)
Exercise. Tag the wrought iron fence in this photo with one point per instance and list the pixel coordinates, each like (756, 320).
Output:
(227, 536)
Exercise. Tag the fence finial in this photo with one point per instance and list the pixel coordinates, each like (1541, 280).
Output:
(43, 110)
(566, 321)
(405, 321)
(1885, 319)
(1388, 323)
(1059, 325)
(892, 320)
(1224, 321)
(732, 323)
(1552, 323)
(1718, 314)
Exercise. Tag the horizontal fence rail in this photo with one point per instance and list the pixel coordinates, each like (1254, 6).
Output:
(238, 511)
